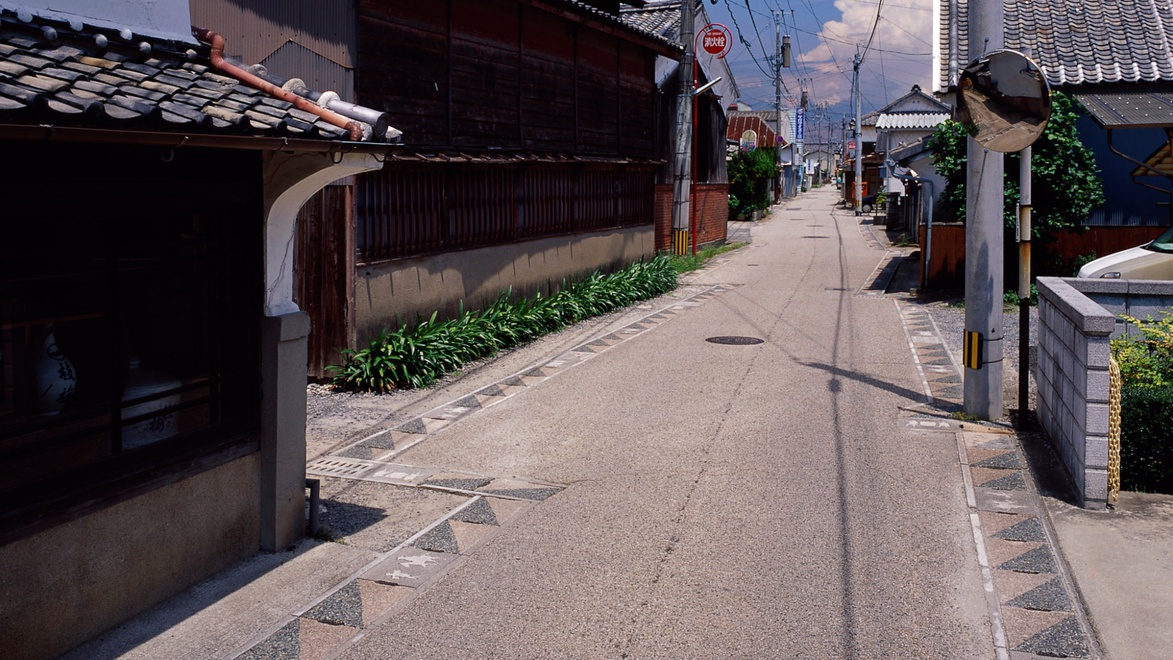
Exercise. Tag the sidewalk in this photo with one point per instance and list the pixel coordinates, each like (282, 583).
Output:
(443, 488)
(1120, 561)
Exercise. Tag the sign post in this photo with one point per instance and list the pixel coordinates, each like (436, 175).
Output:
(717, 39)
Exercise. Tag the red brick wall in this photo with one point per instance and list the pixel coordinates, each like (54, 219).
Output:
(663, 213)
(712, 214)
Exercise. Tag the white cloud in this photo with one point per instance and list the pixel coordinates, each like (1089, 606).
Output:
(899, 55)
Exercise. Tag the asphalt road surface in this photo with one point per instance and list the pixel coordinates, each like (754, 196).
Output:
(721, 501)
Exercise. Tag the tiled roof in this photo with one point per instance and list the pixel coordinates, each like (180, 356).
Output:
(622, 21)
(739, 123)
(80, 76)
(910, 120)
(1075, 42)
(660, 17)
(770, 118)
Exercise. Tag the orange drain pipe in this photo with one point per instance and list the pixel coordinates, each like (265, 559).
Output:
(301, 103)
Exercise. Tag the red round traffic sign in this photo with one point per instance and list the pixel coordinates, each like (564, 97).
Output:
(715, 39)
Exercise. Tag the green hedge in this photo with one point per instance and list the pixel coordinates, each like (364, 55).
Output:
(418, 355)
(1146, 416)
(1146, 439)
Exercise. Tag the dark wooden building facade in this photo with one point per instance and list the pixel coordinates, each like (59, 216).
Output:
(528, 126)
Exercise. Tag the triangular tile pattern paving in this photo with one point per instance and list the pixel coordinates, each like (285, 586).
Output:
(385, 445)
(1012, 481)
(940, 376)
(1048, 597)
(1034, 599)
(323, 629)
(1062, 640)
(378, 592)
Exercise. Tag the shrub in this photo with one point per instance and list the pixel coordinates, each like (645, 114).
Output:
(750, 174)
(1146, 439)
(1146, 416)
(1147, 360)
(416, 356)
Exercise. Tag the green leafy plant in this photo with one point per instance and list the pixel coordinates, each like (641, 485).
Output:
(416, 356)
(1081, 261)
(1146, 443)
(1012, 298)
(1146, 360)
(750, 174)
(1146, 416)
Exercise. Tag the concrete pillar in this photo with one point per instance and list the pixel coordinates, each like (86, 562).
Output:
(290, 180)
(283, 404)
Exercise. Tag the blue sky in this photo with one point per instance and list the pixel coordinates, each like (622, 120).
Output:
(825, 35)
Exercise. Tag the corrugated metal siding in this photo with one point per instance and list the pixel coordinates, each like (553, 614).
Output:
(256, 29)
(1127, 204)
(295, 61)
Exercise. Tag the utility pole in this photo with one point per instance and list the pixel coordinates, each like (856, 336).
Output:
(799, 139)
(682, 167)
(983, 245)
(858, 137)
(778, 180)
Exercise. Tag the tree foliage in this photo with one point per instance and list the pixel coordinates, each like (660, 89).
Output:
(750, 174)
(1065, 183)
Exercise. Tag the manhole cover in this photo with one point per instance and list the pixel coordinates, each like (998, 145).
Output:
(735, 341)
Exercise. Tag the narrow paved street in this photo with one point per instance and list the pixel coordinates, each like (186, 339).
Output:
(630, 488)
(721, 500)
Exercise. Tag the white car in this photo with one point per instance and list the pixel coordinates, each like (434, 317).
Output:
(1151, 261)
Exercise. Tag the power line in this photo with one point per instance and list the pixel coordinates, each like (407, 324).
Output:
(875, 24)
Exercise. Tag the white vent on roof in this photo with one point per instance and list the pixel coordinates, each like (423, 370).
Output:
(164, 19)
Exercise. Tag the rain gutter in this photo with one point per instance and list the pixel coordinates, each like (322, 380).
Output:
(55, 133)
(357, 130)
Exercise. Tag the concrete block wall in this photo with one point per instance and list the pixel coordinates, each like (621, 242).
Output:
(1077, 320)
(1071, 376)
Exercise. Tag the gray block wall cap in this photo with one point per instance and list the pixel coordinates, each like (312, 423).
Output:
(1097, 286)
(1088, 316)
(1149, 287)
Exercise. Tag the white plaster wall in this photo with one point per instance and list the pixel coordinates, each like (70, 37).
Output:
(406, 288)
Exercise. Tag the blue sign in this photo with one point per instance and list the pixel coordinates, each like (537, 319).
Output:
(799, 121)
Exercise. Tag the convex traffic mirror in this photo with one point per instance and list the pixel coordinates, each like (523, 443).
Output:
(1004, 101)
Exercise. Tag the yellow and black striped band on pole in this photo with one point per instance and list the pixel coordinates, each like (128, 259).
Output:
(680, 241)
(973, 349)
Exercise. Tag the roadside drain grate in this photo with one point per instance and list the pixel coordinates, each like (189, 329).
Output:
(735, 341)
(339, 467)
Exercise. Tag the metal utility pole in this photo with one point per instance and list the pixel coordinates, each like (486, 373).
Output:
(858, 137)
(682, 166)
(1024, 203)
(983, 245)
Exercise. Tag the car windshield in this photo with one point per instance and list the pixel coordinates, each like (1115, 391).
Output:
(1163, 243)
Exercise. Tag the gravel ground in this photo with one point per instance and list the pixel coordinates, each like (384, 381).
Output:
(950, 319)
